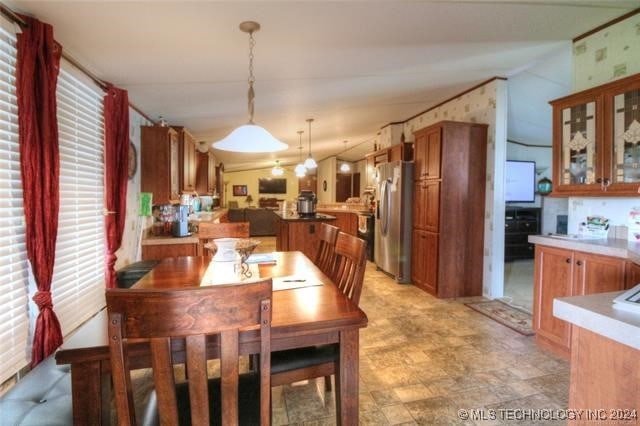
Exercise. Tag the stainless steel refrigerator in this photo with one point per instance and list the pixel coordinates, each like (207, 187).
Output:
(394, 209)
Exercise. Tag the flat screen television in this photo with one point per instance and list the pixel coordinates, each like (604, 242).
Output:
(272, 186)
(520, 181)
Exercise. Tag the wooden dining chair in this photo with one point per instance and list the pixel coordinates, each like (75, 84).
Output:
(325, 256)
(161, 317)
(208, 231)
(322, 361)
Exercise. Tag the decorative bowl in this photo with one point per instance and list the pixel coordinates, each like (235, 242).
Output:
(244, 247)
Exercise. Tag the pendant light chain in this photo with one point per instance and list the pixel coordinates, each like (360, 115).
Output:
(251, 95)
(309, 121)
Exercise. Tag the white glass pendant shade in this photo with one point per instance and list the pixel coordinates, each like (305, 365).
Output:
(344, 168)
(310, 163)
(250, 138)
(300, 170)
(277, 170)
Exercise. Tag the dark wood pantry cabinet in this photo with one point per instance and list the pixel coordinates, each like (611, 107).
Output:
(448, 215)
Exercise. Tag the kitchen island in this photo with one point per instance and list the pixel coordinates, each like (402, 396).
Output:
(576, 267)
(605, 349)
(300, 233)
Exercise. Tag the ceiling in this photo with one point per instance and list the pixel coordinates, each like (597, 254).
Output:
(353, 66)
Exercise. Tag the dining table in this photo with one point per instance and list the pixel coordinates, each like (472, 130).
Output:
(308, 310)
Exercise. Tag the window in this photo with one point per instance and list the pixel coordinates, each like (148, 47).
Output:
(78, 275)
(14, 318)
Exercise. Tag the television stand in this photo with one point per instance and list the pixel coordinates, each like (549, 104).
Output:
(519, 223)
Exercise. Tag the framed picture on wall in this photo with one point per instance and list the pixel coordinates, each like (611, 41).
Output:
(239, 190)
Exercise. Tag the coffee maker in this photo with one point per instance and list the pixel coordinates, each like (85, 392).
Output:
(181, 224)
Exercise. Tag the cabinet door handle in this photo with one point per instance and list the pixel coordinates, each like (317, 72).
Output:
(568, 260)
(579, 263)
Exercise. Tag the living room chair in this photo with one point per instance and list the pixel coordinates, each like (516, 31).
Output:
(160, 317)
(209, 231)
(323, 361)
(325, 257)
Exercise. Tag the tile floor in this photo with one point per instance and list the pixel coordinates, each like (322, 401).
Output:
(518, 284)
(423, 359)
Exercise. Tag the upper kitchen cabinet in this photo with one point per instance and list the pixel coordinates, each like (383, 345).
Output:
(595, 140)
(427, 154)
(187, 160)
(159, 163)
(205, 173)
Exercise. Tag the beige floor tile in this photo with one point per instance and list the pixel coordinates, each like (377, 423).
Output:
(396, 414)
(413, 393)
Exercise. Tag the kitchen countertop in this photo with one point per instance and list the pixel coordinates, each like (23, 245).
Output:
(152, 240)
(596, 313)
(354, 210)
(293, 217)
(607, 247)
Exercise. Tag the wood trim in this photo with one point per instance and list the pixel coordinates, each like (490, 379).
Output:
(606, 24)
(455, 96)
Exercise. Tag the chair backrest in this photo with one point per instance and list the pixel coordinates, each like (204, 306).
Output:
(350, 263)
(325, 258)
(192, 314)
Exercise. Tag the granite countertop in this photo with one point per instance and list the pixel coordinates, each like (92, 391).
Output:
(356, 209)
(607, 247)
(289, 216)
(596, 313)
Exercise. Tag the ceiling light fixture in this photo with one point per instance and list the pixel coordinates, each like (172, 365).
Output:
(345, 167)
(277, 170)
(250, 137)
(310, 163)
(301, 170)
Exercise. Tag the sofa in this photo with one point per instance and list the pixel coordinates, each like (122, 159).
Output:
(262, 222)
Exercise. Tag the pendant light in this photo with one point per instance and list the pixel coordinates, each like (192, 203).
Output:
(310, 163)
(301, 170)
(345, 167)
(250, 137)
(277, 170)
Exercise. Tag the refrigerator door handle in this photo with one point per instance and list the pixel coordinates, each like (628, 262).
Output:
(386, 201)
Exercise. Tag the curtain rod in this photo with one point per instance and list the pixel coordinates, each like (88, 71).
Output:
(12, 16)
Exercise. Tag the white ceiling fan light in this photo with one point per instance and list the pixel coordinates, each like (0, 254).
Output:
(277, 169)
(250, 137)
(301, 170)
(310, 163)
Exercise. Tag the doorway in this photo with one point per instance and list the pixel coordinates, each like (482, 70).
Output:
(347, 186)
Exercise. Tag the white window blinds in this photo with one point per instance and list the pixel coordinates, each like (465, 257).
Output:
(78, 276)
(14, 319)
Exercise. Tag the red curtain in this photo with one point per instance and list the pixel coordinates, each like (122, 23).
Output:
(37, 70)
(116, 161)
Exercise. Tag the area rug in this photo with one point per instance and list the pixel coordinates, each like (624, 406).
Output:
(512, 317)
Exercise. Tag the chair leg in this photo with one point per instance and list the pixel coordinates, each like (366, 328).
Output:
(336, 394)
(327, 383)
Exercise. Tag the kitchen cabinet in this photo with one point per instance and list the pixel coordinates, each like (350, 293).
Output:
(346, 221)
(159, 163)
(631, 275)
(595, 142)
(187, 161)
(205, 173)
(300, 234)
(448, 220)
(561, 273)
(427, 154)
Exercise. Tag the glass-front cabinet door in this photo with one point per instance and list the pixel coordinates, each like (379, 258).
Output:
(622, 106)
(577, 145)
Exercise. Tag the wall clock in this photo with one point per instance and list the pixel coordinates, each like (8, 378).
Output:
(133, 160)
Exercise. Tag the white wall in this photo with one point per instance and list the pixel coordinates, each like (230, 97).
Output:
(250, 178)
(327, 173)
(130, 248)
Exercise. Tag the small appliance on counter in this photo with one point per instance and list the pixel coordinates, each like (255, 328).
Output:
(307, 203)
(181, 224)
